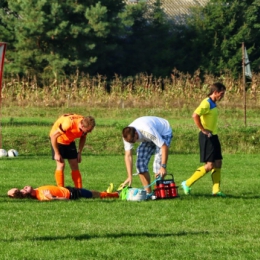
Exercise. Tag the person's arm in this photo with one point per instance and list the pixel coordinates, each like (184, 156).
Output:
(49, 196)
(129, 167)
(82, 142)
(197, 121)
(54, 144)
(164, 160)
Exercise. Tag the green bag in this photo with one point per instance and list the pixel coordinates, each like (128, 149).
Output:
(124, 193)
(132, 194)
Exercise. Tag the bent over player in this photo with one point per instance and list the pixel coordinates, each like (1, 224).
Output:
(154, 135)
(65, 130)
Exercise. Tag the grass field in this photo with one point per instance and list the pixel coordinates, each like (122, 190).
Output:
(189, 227)
(27, 129)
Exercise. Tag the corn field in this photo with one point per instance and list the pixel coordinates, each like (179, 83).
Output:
(142, 90)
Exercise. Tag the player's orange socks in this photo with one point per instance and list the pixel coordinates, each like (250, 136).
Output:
(105, 194)
(76, 177)
(59, 177)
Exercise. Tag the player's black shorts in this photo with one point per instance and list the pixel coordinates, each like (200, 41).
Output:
(77, 193)
(210, 148)
(74, 193)
(67, 151)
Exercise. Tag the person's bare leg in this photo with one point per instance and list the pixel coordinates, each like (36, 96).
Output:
(146, 180)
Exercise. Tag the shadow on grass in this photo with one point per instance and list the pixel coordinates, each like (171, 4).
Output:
(228, 196)
(118, 235)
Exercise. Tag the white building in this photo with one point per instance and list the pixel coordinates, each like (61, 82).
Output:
(174, 8)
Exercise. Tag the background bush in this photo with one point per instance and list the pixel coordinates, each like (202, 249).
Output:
(48, 39)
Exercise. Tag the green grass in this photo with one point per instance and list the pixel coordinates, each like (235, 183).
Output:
(189, 227)
(27, 130)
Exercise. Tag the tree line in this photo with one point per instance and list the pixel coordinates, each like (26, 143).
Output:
(48, 38)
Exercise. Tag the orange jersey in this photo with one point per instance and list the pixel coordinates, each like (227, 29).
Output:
(54, 190)
(68, 126)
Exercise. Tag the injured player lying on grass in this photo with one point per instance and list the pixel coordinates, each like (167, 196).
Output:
(50, 192)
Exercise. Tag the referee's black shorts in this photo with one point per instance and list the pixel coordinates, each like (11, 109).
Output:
(67, 151)
(210, 148)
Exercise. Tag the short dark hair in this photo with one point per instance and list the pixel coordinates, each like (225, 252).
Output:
(16, 193)
(217, 86)
(89, 121)
(129, 133)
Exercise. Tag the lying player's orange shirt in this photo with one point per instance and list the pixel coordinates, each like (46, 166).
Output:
(68, 125)
(54, 190)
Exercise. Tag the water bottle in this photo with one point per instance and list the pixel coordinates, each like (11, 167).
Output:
(162, 190)
(173, 191)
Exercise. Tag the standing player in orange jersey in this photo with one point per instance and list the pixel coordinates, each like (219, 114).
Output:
(64, 131)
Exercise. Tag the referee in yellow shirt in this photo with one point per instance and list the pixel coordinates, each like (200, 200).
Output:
(205, 117)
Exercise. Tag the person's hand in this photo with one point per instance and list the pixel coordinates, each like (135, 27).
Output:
(47, 194)
(161, 173)
(79, 157)
(58, 158)
(127, 182)
(207, 133)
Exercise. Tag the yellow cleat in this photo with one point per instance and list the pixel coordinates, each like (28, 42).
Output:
(110, 188)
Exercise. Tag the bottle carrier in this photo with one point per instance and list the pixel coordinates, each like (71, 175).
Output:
(166, 188)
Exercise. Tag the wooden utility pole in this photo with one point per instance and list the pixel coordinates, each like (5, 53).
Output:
(244, 80)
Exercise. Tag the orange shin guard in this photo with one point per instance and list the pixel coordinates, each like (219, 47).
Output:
(105, 194)
(59, 177)
(76, 177)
